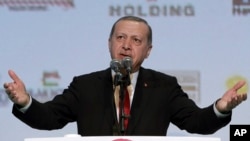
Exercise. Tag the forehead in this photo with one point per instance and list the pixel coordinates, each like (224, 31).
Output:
(131, 27)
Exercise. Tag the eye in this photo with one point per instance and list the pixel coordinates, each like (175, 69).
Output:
(137, 41)
(120, 38)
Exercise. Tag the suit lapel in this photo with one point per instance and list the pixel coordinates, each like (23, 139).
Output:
(142, 94)
(107, 97)
(106, 88)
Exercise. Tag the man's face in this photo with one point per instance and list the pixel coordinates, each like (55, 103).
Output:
(130, 39)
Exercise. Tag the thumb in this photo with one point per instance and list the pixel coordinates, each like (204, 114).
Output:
(13, 76)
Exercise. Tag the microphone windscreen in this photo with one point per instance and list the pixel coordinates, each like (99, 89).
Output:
(115, 65)
(127, 63)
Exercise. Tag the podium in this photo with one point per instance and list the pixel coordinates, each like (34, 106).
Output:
(125, 138)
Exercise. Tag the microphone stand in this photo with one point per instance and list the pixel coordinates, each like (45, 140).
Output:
(125, 81)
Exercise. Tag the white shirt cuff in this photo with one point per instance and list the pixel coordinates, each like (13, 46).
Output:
(219, 114)
(25, 108)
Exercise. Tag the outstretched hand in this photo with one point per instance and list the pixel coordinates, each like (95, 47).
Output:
(16, 90)
(231, 98)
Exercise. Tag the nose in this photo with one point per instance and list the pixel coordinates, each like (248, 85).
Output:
(126, 44)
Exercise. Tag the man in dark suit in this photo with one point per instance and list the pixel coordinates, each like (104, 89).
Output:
(157, 99)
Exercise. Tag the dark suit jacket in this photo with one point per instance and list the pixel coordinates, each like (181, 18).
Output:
(158, 100)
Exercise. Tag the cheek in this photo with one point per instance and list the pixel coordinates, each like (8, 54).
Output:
(140, 53)
(113, 51)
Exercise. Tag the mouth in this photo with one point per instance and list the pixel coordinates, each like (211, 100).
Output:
(124, 55)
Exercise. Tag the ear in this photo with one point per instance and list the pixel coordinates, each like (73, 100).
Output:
(149, 50)
(109, 44)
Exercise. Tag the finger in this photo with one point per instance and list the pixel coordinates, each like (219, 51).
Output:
(235, 101)
(13, 76)
(7, 92)
(5, 85)
(242, 97)
(12, 97)
(239, 99)
(239, 84)
(9, 89)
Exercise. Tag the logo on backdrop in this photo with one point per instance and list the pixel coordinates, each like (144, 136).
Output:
(50, 78)
(241, 7)
(50, 87)
(189, 81)
(152, 9)
(36, 5)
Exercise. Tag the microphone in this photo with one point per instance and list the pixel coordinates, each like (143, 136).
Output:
(115, 65)
(127, 64)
